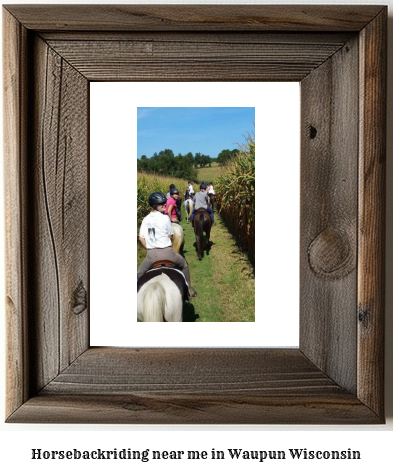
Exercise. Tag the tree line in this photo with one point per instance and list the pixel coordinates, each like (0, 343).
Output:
(181, 166)
(167, 164)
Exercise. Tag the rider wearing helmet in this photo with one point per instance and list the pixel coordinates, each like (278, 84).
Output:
(201, 202)
(155, 235)
(171, 205)
(168, 194)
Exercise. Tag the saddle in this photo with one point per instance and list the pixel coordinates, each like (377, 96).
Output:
(176, 275)
(163, 263)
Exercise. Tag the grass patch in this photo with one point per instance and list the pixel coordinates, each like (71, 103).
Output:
(223, 279)
(209, 174)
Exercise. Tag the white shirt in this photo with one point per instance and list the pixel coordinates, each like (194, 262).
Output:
(191, 189)
(156, 229)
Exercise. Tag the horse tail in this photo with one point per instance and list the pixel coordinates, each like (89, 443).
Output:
(178, 237)
(200, 235)
(154, 303)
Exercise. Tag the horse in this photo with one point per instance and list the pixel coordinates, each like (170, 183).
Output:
(212, 200)
(161, 295)
(162, 291)
(202, 223)
(178, 238)
(189, 207)
(178, 208)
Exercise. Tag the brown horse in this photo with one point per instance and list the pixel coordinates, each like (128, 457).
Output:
(202, 224)
(212, 201)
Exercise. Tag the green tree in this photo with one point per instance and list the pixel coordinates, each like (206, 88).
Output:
(224, 157)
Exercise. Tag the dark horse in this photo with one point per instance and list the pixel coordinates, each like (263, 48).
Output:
(212, 200)
(202, 223)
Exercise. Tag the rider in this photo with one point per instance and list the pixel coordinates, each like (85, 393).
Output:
(201, 202)
(210, 189)
(156, 236)
(191, 187)
(168, 194)
(187, 195)
(171, 205)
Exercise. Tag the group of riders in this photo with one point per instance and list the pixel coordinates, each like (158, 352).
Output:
(156, 230)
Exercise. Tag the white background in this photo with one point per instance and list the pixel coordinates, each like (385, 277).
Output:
(113, 119)
(375, 442)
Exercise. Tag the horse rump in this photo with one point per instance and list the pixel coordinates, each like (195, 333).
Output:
(161, 294)
(202, 224)
(178, 238)
(151, 302)
(189, 207)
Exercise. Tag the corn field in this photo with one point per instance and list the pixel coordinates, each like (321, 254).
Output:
(148, 183)
(235, 190)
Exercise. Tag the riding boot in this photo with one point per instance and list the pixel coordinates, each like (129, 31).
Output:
(192, 293)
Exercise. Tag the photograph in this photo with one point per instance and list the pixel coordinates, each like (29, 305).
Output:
(196, 214)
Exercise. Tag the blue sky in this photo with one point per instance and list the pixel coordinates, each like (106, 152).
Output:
(207, 130)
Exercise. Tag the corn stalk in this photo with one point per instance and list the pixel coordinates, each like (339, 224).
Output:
(236, 196)
(147, 184)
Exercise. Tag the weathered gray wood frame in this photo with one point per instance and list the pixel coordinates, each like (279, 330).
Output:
(338, 53)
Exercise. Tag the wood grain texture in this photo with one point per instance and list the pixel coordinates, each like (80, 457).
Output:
(14, 73)
(201, 37)
(205, 371)
(52, 374)
(329, 208)
(372, 172)
(193, 386)
(186, 59)
(194, 409)
(60, 139)
(195, 17)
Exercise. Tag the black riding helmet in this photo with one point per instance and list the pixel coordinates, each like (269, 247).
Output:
(203, 186)
(174, 191)
(157, 198)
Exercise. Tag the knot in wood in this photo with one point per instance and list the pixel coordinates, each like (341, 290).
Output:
(313, 132)
(80, 299)
(364, 316)
(331, 255)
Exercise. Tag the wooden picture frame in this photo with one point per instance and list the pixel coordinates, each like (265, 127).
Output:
(338, 54)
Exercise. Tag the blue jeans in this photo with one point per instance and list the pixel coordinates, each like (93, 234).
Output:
(208, 210)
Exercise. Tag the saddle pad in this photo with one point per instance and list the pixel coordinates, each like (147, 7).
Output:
(178, 279)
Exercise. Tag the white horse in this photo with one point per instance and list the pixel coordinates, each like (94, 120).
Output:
(189, 207)
(178, 238)
(160, 300)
